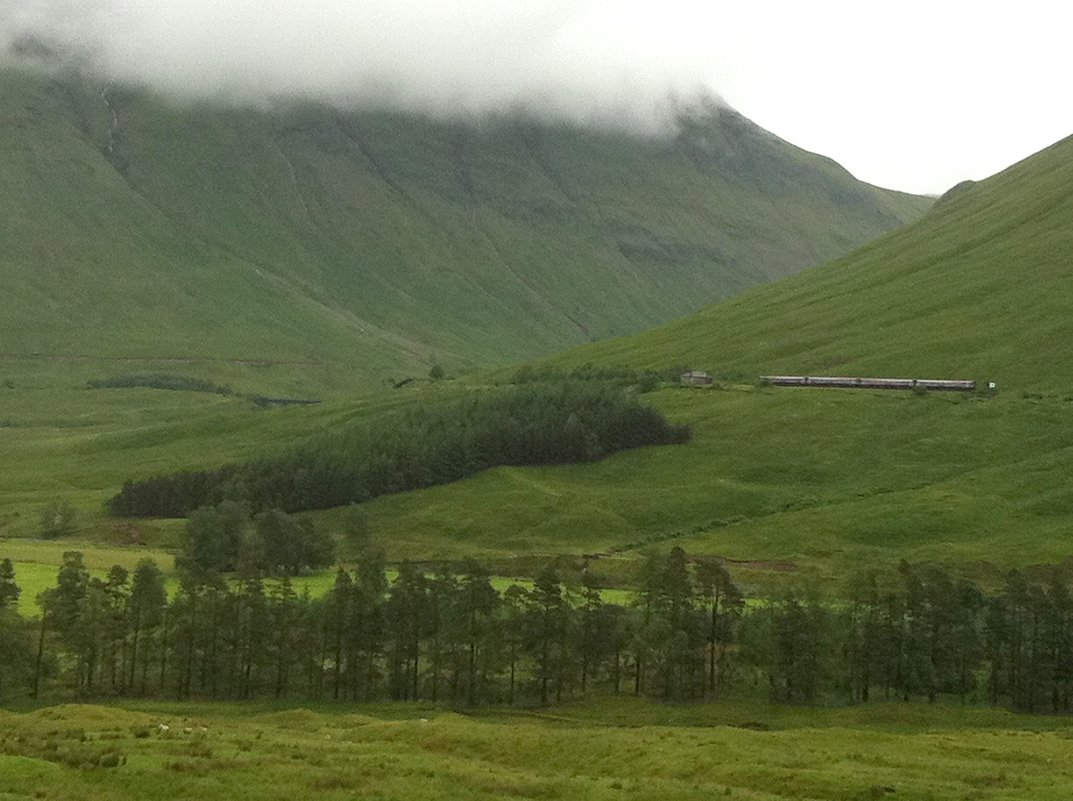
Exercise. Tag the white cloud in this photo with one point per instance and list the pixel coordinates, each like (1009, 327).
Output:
(916, 95)
(579, 59)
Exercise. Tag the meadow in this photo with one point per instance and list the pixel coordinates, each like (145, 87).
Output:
(597, 748)
(788, 484)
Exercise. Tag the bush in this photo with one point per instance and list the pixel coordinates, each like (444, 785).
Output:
(178, 383)
(643, 380)
(57, 520)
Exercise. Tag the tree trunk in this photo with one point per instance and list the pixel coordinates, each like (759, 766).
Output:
(40, 657)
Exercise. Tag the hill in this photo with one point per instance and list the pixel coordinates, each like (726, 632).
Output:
(785, 479)
(379, 242)
(785, 482)
(981, 287)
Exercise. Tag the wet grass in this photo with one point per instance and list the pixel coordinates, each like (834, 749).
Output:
(595, 749)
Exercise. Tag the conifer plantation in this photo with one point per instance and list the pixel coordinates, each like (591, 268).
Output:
(542, 423)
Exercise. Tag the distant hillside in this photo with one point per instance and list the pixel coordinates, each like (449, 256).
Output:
(981, 287)
(383, 242)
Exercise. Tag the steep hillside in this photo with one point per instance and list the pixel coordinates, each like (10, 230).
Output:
(381, 242)
(981, 287)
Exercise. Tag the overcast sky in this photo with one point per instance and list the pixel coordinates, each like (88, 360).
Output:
(910, 95)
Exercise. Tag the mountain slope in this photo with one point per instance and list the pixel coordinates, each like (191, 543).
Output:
(380, 241)
(981, 287)
(786, 482)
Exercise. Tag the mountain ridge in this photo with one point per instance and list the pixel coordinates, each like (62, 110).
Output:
(381, 241)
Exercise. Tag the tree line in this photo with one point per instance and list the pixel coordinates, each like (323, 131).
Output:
(169, 381)
(914, 632)
(644, 380)
(428, 444)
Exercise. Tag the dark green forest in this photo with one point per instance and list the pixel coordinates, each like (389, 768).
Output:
(536, 424)
(912, 632)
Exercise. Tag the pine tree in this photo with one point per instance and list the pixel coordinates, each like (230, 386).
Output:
(646, 635)
(284, 613)
(337, 622)
(676, 609)
(593, 629)
(116, 633)
(15, 649)
(254, 631)
(407, 614)
(444, 601)
(9, 589)
(478, 600)
(14, 646)
(547, 623)
(368, 627)
(724, 602)
(146, 605)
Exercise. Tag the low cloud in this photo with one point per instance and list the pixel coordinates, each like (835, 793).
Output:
(588, 61)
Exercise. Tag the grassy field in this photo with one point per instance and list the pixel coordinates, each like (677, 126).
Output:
(794, 485)
(599, 749)
(61, 440)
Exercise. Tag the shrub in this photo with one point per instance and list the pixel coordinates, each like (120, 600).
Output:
(57, 520)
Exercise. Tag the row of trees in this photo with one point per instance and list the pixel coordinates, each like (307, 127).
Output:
(169, 381)
(915, 632)
(642, 380)
(542, 423)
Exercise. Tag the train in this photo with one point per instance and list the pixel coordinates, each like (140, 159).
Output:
(855, 382)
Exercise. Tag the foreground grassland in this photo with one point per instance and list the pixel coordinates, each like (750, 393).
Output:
(599, 749)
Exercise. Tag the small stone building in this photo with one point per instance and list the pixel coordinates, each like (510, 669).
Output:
(696, 378)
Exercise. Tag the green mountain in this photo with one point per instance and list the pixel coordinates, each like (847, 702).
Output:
(981, 287)
(786, 483)
(134, 228)
(790, 481)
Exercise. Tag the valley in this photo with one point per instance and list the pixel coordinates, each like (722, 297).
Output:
(802, 593)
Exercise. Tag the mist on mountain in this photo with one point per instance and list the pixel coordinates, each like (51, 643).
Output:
(587, 62)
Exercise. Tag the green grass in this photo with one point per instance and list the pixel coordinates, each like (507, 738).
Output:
(819, 480)
(64, 441)
(792, 484)
(36, 563)
(981, 287)
(361, 247)
(598, 749)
